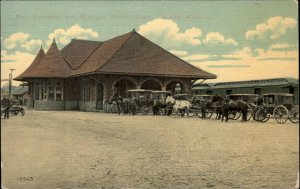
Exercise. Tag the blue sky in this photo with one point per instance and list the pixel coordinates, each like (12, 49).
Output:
(237, 40)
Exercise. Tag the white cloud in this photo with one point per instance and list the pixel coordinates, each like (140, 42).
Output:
(216, 38)
(179, 53)
(195, 57)
(253, 64)
(64, 36)
(22, 40)
(15, 40)
(18, 60)
(280, 46)
(32, 44)
(273, 28)
(167, 32)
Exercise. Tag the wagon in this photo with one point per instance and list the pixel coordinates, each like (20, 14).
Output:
(15, 108)
(197, 101)
(142, 99)
(280, 106)
(249, 99)
(182, 97)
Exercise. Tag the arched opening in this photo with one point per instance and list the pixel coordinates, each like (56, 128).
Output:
(122, 85)
(175, 87)
(151, 85)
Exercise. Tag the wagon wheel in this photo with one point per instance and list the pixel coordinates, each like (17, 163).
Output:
(262, 115)
(281, 114)
(250, 113)
(145, 110)
(294, 114)
(192, 112)
(208, 114)
(234, 115)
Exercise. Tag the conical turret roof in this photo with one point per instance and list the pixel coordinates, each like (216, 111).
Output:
(30, 70)
(51, 65)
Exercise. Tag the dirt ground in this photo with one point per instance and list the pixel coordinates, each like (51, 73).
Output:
(64, 149)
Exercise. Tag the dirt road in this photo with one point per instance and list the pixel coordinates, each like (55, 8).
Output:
(52, 149)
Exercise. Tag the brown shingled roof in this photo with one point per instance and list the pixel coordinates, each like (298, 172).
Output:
(130, 53)
(28, 72)
(76, 52)
(101, 55)
(51, 65)
(141, 56)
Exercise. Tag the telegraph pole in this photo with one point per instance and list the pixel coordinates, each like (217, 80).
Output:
(10, 81)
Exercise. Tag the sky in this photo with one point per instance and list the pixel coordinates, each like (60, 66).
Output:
(236, 40)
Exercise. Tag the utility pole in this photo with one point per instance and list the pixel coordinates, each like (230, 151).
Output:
(10, 81)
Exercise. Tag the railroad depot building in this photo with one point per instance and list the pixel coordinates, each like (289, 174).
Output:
(262, 86)
(84, 74)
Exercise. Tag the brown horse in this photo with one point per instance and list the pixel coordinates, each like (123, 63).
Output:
(224, 106)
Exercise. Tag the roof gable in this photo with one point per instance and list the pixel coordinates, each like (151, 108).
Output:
(52, 64)
(101, 55)
(140, 56)
(77, 51)
(30, 70)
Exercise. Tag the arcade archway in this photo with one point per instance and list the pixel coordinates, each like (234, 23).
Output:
(175, 87)
(122, 85)
(151, 85)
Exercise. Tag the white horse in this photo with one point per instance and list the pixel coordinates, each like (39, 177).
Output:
(181, 106)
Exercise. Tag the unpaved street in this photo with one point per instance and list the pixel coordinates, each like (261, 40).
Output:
(64, 149)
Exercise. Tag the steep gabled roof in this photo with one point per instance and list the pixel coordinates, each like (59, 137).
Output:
(141, 56)
(76, 52)
(101, 55)
(130, 54)
(30, 70)
(51, 65)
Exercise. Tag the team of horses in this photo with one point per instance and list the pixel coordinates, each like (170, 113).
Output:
(222, 106)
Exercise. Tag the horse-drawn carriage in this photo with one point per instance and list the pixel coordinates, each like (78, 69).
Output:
(141, 99)
(11, 107)
(280, 106)
(199, 102)
(250, 99)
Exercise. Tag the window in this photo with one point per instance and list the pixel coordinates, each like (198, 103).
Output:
(51, 90)
(55, 90)
(257, 91)
(209, 92)
(58, 91)
(85, 89)
(228, 92)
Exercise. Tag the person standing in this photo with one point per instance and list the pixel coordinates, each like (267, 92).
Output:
(7, 107)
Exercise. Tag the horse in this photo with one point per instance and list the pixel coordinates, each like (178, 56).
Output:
(225, 105)
(218, 103)
(181, 106)
(117, 100)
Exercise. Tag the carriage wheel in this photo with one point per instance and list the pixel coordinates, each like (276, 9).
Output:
(208, 114)
(281, 114)
(262, 115)
(294, 114)
(234, 115)
(192, 113)
(145, 110)
(250, 113)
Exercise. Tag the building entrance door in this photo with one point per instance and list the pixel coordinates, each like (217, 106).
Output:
(99, 102)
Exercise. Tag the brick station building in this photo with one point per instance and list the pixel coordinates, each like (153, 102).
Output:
(83, 74)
